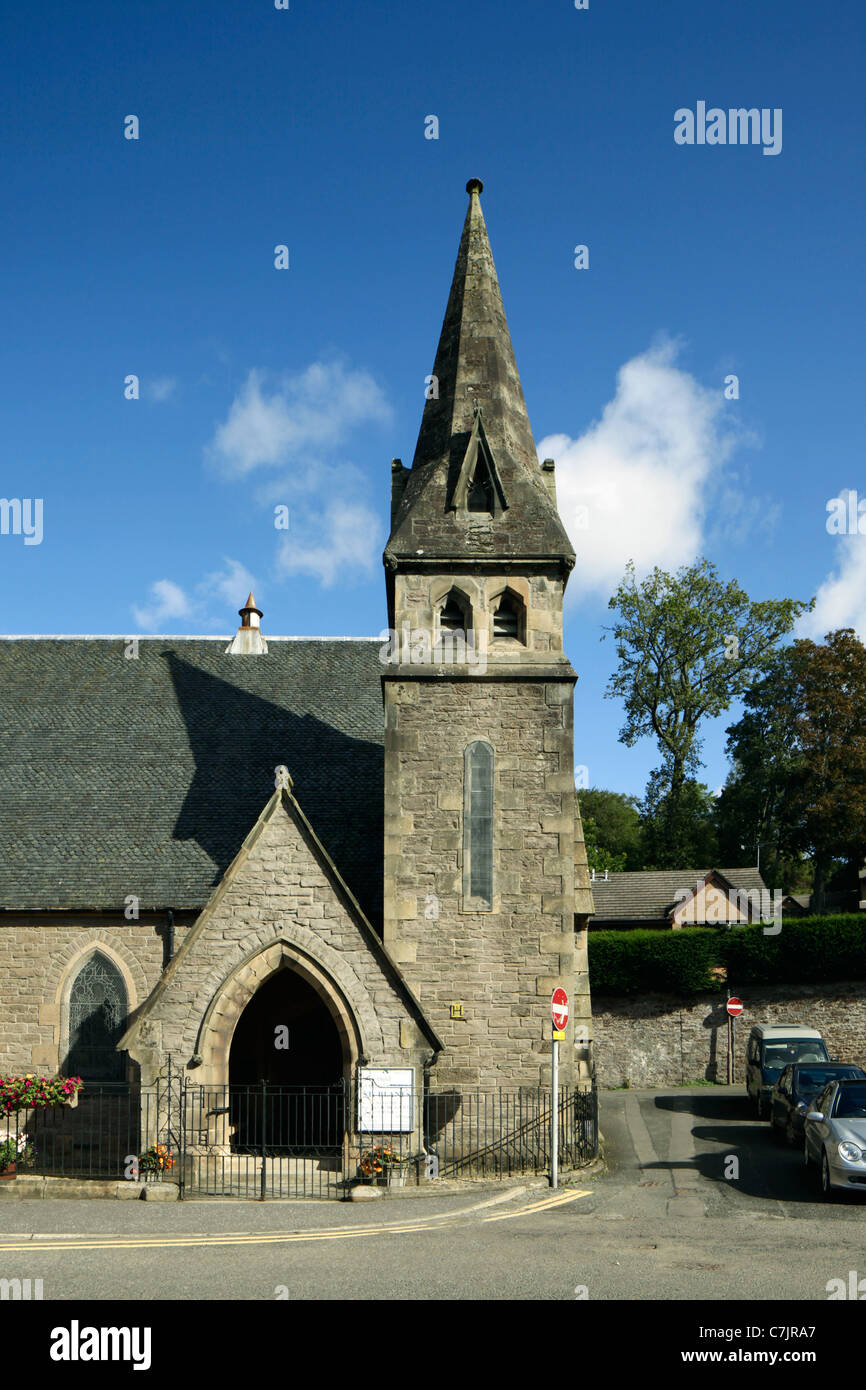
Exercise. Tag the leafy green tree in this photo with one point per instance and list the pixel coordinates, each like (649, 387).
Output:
(691, 821)
(799, 761)
(688, 645)
(616, 828)
(596, 857)
(754, 812)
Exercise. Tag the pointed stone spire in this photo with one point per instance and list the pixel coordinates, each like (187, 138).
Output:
(439, 513)
(248, 640)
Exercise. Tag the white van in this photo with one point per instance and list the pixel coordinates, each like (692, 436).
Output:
(773, 1046)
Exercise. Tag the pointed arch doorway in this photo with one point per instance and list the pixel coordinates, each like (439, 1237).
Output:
(288, 1069)
(286, 1036)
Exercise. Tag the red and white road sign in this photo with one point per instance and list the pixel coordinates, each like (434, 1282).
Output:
(559, 1009)
(734, 1006)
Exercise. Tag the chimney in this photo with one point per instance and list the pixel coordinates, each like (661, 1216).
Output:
(248, 640)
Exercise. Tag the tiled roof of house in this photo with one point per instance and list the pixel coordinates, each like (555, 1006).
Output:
(649, 894)
(143, 776)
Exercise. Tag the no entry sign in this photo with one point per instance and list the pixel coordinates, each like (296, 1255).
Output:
(559, 1009)
(734, 1006)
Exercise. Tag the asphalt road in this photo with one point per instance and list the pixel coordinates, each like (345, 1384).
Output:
(662, 1222)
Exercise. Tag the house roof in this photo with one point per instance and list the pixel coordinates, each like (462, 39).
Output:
(649, 894)
(143, 776)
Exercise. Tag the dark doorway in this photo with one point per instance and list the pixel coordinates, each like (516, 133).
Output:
(286, 1070)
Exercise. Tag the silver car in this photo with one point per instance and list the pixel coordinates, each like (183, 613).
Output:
(835, 1136)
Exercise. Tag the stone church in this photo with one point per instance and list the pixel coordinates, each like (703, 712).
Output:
(375, 847)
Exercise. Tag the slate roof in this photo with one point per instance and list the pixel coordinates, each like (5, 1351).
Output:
(475, 365)
(647, 895)
(144, 776)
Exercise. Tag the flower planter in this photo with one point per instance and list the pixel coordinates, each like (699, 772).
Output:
(10, 1172)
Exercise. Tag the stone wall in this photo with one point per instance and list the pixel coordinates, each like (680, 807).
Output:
(659, 1040)
(276, 907)
(40, 955)
(502, 965)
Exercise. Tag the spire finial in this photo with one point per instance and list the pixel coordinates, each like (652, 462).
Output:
(248, 640)
(246, 613)
(474, 186)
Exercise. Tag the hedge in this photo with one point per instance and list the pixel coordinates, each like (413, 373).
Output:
(807, 950)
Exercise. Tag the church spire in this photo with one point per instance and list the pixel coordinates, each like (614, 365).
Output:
(475, 444)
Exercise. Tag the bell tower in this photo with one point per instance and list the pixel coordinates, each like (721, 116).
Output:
(481, 819)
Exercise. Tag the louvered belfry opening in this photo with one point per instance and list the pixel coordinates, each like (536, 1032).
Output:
(506, 618)
(452, 615)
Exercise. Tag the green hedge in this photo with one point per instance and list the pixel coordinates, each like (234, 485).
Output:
(667, 962)
(805, 951)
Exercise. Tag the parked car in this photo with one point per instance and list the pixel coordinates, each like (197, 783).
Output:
(834, 1136)
(795, 1090)
(771, 1048)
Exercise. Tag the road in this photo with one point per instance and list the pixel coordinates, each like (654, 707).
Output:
(662, 1222)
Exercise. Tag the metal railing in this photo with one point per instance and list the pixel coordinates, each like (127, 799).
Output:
(268, 1141)
(101, 1136)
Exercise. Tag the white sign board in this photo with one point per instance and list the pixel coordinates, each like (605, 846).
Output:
(386, 1100)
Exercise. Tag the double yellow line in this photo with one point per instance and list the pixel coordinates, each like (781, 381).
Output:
(559, 1200)
(430, 1223)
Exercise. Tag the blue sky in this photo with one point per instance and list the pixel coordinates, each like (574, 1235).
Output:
(306, 127)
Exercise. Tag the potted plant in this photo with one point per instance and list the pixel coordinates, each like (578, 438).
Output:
(154, 1162)
(384, 1165)
(15, 1152)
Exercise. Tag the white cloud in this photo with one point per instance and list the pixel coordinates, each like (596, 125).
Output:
(344, 535)
(167, 601)
(223, 590)
(841, 599)
(160, 387)
(230, 585)
(635, 485)
(300, 414)
(298, 424)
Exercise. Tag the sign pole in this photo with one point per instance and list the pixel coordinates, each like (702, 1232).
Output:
(559, 1013)
(734, 1008)
(554, 1117)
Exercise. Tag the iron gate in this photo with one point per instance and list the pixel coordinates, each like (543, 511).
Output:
(264, 1141)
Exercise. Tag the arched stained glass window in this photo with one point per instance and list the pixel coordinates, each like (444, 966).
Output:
(478, 826)
(97, 1016)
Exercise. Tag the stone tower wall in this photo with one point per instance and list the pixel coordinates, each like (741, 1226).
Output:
(501, 966)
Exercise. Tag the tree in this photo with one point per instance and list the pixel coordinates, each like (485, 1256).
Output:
(596, 857)
(827, 797)
(691, 821)
(753, 812)
(615, 818)
(688, 644)
(799, 756)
